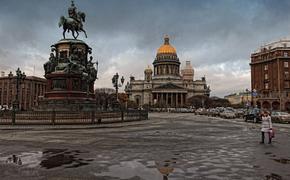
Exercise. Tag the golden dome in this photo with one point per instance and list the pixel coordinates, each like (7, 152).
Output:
(166, 48)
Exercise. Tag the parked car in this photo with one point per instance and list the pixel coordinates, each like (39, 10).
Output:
(280, 116)
(228, 114)
(213, 112)
(240, 113)
(253, 115)
(201, 111)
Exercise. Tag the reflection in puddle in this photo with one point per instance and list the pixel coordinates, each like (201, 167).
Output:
(282, 160)
(53, 158)
(273, 177)
(130, 169)
(158, 169)
(14, 159)
(166, 167)
(49, 158)
(28, 159)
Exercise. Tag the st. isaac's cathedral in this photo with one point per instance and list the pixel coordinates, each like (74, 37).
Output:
(166, 85)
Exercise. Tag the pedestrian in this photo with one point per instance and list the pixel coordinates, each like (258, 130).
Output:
(266, 126)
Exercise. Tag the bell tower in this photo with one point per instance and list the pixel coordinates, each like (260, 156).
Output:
(148, 74)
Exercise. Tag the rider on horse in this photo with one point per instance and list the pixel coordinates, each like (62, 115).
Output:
(74, 22)
(72, 12)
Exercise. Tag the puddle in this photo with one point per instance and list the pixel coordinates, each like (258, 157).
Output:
(274, 176)
(28, 159)
(282, 160)
(48, 158)
(160, 169)
(53, 158)
(130, 169)
(14, 159)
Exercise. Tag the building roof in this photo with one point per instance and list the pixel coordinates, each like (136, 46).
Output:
(33, 78)
(282, 43)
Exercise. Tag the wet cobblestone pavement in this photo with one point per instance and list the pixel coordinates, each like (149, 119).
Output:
(173, 146)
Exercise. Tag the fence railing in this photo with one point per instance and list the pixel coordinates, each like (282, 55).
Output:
(62, 118)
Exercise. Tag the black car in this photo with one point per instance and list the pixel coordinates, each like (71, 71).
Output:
(253, 115)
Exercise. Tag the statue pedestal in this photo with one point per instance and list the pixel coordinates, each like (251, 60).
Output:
(70, 78)
(68, 86)
(66, 105)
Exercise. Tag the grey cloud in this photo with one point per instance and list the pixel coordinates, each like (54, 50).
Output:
(206, 32)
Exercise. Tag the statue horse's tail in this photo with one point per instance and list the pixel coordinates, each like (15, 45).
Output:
(61, 21)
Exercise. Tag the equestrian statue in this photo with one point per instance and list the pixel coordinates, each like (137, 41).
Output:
(74, 22)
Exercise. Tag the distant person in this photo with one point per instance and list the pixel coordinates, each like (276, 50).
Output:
(266, 126)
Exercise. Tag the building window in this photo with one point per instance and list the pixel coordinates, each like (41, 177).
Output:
(286, 75)
(286, 84)
(266, 85)
(266, 67)
(285, 54)
(266, 76)
(286, 64)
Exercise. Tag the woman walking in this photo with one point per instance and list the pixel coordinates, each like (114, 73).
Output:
(266, 127)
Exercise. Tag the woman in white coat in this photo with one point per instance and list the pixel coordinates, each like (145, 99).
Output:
(266, 126)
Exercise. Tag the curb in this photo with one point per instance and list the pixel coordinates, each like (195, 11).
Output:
(73, 127)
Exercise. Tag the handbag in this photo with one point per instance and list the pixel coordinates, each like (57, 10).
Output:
(271, 133)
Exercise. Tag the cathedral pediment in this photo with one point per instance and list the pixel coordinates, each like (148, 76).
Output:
(169, 86)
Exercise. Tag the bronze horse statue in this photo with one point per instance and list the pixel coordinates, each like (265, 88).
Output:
(73, 25)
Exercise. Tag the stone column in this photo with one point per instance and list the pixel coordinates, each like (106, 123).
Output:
(31, 99)
(162, 99)
(176, 99)
(2, 85)
(25, 95)
(8, 91)
(171, 99)
(166, 99)
(157, 98)
(181, 99)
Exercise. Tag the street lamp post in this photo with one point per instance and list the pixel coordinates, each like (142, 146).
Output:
(247, 103)
(254, 95)
(20, 76)
(116, 84)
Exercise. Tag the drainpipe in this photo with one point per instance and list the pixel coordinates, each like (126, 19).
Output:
(279, 83)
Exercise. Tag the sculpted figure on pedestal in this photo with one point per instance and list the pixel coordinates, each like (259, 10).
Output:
(50, 65)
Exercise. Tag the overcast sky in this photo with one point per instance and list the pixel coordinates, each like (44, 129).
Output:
(217, 36)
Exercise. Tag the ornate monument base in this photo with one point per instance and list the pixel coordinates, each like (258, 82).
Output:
(70, 78)
(66, 105)
(70, 72)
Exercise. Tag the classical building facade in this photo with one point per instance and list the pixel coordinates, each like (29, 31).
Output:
(165, 85)
(30, 90)
(270, 75)
(243, 98)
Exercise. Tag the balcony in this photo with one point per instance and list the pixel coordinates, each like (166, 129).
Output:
(268, 94)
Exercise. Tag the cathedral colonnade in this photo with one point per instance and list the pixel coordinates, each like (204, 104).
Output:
(169, 99)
